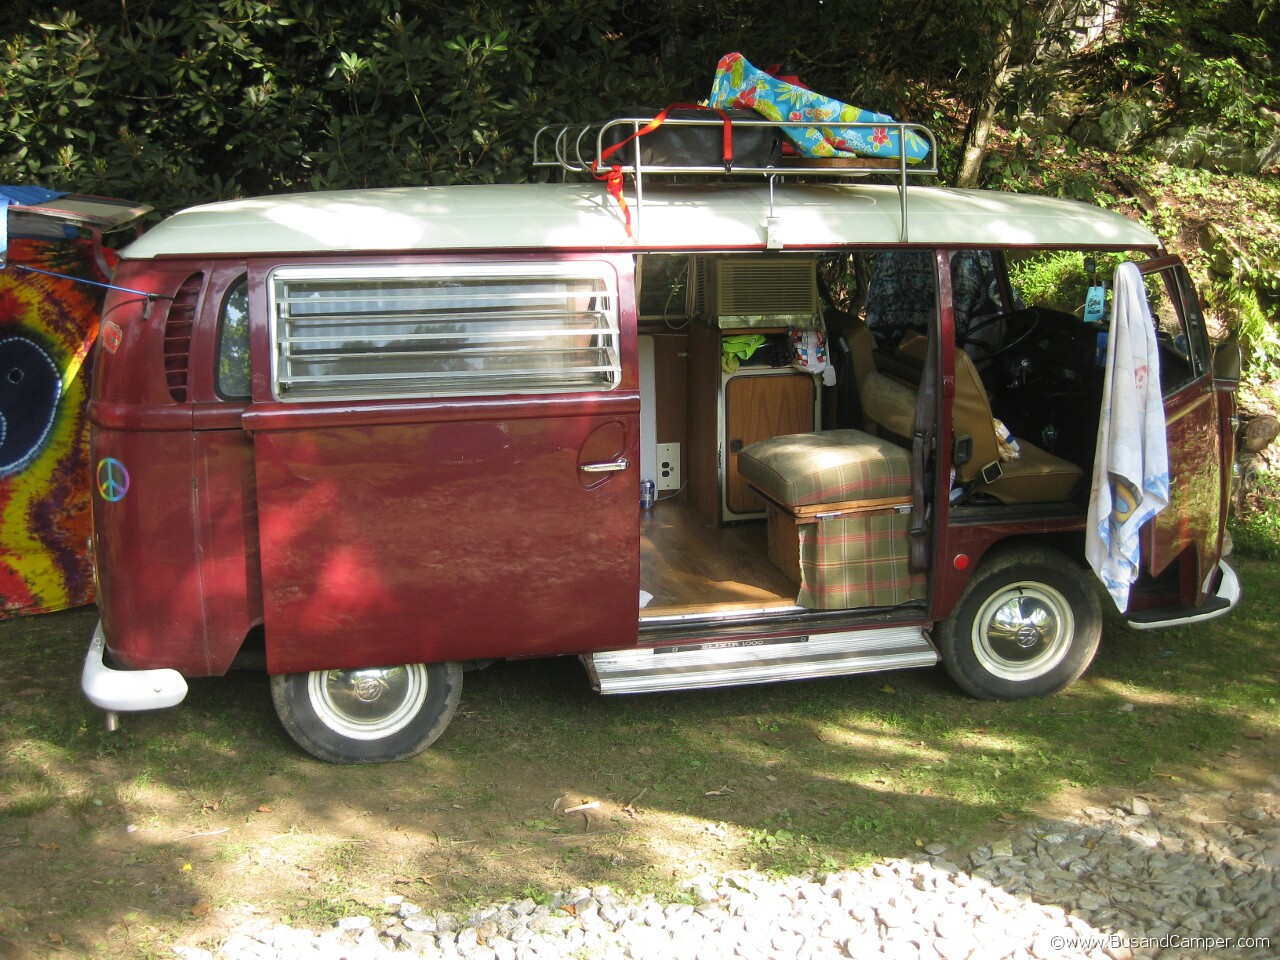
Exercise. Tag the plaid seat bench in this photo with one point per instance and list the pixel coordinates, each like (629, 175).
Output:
(838, 506)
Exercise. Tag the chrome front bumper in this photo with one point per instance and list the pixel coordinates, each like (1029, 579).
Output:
(127, 690)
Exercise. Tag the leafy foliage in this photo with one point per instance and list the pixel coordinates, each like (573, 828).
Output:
(1256, 529)
(1058, 280)
(204, 99)
(1181, 63)
(217, 98)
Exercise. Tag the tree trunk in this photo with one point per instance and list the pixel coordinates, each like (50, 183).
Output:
(982, 114)
(975, 143)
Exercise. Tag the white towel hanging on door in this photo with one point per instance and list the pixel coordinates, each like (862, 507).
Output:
(1131, 466)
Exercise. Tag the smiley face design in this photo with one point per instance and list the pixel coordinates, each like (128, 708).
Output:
(30, 387)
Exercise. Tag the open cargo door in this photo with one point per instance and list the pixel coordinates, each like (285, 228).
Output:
(1188, 532)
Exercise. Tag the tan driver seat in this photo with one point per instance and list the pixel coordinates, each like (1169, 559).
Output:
(1036, 476)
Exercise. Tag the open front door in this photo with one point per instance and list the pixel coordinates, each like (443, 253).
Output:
(1190, 527)
(446, 463)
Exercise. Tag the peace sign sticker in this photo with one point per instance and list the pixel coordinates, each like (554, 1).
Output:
(113, 479)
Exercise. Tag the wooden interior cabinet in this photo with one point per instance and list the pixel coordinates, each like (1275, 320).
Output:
(728, 411)
(671, 358)
(759, 404)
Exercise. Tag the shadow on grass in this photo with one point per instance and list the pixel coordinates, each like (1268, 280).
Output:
(192, 820)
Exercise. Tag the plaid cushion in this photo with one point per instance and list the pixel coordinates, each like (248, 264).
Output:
(857, 561)
(828, 467)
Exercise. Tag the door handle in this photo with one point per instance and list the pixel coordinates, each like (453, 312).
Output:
(613, 466)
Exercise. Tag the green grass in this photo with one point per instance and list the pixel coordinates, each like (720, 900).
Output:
(321, 911)
(787, 778)
(870, 765)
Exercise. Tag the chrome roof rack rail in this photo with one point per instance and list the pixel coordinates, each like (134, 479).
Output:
(580, 148)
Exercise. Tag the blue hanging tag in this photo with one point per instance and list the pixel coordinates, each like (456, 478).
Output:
(1095, 304)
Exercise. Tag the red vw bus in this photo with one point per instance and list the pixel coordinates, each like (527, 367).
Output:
(761, 432)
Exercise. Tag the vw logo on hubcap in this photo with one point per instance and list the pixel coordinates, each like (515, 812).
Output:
(370, 689)
(1027, 636)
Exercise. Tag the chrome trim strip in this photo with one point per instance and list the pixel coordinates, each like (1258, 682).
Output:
(693, 666)
(721, 618)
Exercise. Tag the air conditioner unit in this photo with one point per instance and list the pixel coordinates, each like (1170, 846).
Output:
(758, 291)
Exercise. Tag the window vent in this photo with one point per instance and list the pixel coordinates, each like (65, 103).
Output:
(699, 286)
(177, 336)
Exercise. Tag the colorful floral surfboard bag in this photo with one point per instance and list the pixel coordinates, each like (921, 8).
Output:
(739, 85)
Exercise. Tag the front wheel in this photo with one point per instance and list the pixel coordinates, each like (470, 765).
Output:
(368, 715)
(1027, 624)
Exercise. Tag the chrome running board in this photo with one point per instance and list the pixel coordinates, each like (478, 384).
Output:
(694, 666)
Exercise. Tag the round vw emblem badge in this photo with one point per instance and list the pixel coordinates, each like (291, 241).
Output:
(113, 479)
(1027, 636)
(370, 689)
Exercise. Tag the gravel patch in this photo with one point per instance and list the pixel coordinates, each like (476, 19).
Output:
(1187, 875)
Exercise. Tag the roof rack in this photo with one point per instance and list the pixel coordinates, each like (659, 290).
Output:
(580, 148)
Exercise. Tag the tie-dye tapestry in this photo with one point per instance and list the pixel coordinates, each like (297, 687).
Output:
(47, 325)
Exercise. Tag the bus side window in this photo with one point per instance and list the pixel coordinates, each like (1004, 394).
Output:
(1182, 356)
(233, 377)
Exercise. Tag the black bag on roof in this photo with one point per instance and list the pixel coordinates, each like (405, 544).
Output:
(716, 140)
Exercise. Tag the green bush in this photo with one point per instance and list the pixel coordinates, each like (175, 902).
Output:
(1210, 61)
(1058, 280)
(193, 100)
(219, 98)
(1256, 527)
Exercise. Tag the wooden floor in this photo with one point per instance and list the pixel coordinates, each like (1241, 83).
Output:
(692, 566)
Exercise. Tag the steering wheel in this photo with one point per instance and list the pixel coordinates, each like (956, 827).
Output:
(1022, 324)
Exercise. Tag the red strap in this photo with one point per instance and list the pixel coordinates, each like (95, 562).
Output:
(613, 183)
(657, 121)
(614, 179)
(660, 118)
(728, 139)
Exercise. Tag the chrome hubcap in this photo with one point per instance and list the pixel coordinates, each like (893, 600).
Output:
(368, 704)
(1023, 632)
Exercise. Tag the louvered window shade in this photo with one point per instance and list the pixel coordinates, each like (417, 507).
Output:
(444, 330)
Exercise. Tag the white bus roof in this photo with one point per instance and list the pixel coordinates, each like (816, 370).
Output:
(582, 216)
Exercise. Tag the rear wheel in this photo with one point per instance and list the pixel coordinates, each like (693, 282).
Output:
(1027, 624)
(368, 715)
